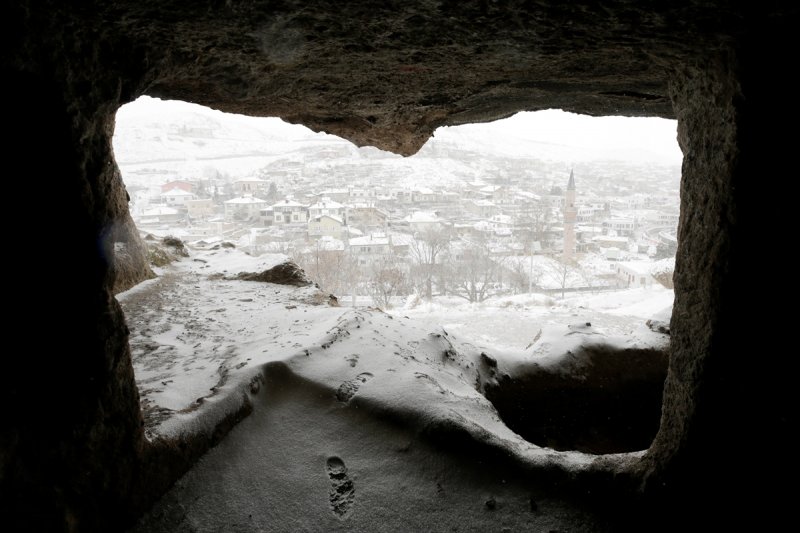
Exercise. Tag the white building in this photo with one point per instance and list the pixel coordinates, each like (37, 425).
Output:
(325, 226)
(635, 273)
(504, 222)
(176, 197)
(481, 208)
(244, 208)
(423, 194)
(620, 226)
(201, 207)
(421, 221)
(370, 248)
(326, 206)
(289, 212)
(251, 186)
(159, 215)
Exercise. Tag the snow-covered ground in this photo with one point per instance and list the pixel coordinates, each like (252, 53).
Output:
(340, 397)
(512, 322)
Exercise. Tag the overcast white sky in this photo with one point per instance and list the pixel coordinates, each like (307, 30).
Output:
(625, 137)
(568, 134)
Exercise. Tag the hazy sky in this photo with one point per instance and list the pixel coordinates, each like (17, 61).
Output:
(636, 138)
(565, 133)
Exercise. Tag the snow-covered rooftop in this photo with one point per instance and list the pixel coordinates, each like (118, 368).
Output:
(327, 203)
(422, 217)
(370, 240)
(243, 200)
(159, 211)
(176, 192)
(287, 203)
(318, 218)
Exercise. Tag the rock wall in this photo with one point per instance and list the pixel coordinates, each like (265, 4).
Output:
(727, 390)
(71, 448)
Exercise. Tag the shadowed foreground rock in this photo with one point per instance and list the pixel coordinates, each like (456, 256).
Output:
(388, 75)
(599, 399)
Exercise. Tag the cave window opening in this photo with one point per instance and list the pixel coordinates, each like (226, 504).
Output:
(493, 232)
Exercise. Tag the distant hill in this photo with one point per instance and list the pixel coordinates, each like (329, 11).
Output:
(157, 140)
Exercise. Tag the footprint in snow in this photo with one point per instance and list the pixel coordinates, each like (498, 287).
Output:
(342, 493)
(349, 388)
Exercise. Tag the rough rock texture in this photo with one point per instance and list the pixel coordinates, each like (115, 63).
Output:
(387, 74)
(71, 439)
(599, 399)
(131, 254)
(286, 273)
(727, 394)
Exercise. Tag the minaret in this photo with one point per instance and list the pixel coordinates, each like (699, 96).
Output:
(570, 213)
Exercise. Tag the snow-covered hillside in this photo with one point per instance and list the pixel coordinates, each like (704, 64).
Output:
(155, 139)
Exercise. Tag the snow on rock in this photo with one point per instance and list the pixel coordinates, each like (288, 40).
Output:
(207, 347)
(198, 339)
(283, 274)
(659, 322)
(218, 258)
(580, 388)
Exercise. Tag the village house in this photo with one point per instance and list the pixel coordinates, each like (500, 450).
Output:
(423, 195)
(289, 212)
(590, 212)
(251, 186)
(402, 196)
(244, 208)
(498, 194)
(480, 208)
(325, 226)
(337, 195)
(326, 206)
(422, 221)
(184, 185)
(159, 215)
(362, 193)
(367, 217)
(501, 222)
(619, 226)
(370, 248)
(634, 273)
(200, 207)
(176, 197)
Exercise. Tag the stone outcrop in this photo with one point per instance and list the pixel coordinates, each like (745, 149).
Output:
(388, 74)
(287, 273)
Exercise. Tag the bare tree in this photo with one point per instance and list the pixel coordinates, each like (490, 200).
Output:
(519, 274)
(334, 271)
(386, 280)
(475, 273)
(426, 251)
(536, 222)
(563, 272)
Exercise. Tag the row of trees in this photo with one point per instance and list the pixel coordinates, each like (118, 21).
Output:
(434, 263)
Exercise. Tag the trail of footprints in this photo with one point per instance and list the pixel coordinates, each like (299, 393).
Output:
(349, 388)
(342, 493)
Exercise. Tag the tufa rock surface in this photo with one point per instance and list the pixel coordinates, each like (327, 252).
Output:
(387, 75)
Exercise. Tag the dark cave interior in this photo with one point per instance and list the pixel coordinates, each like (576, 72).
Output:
(73, 456)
